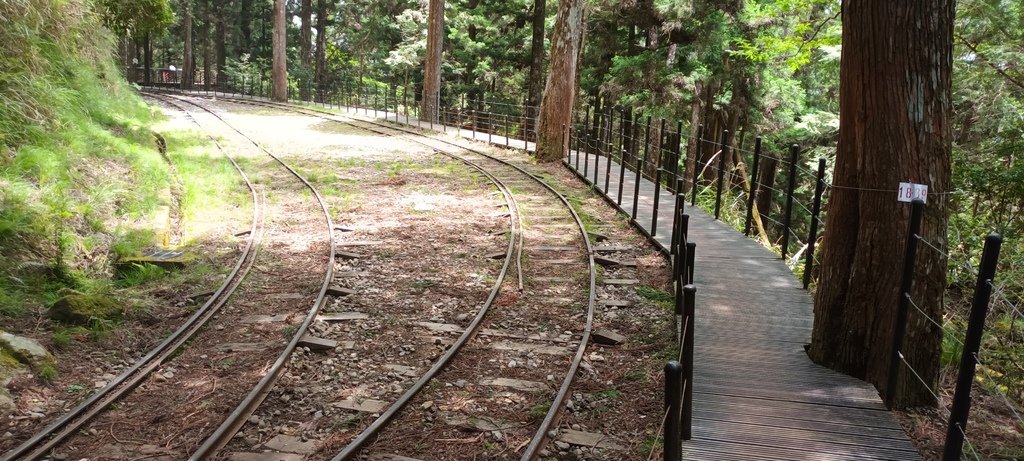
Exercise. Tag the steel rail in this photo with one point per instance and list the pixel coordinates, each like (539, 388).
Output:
(471, 329)
(60, 429)
(540, 436)
(238, 416)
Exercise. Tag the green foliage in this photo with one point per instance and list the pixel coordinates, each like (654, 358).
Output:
(139, 274)
(76, 154)
(47, 373)
(661, 298)
(137, 17)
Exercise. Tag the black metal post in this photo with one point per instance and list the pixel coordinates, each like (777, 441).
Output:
(657, 183)
(903, 302)
(575, 138)
(673, 393)
(794, 154)
(586, 145)
(608, 152)
(679, 154)
(721, 171)
(597, 136)
(972, 343)
(636, 186)
(815, 211)
(679, 265)
(689, 311)
(754, 185)
(622, 156)
(691, 253)
(506, 130)
(676, 212)
(696, 165)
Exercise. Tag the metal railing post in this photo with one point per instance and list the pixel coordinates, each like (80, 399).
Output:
(696, 165)
(586, 145)
(636, 187)
(721, 172)
(608, 152)
(673, 394)
(812, 236)
(657, 182)
(957, 430)
(754, 185)
(689, 312)
(903, 303)
(794, 154)
(691, 253)
(622, 156)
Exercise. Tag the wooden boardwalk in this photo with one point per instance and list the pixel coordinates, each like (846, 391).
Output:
(756, 394)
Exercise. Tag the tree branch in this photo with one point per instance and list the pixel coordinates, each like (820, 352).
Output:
(979, 55)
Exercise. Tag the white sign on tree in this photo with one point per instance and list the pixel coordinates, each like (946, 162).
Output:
(908, 192)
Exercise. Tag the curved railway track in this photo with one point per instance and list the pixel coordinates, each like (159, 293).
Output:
(66, 426)
(252, 400)
(60, 429)
(541, 287)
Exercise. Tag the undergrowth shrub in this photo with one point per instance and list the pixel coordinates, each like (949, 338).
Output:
(78, 171)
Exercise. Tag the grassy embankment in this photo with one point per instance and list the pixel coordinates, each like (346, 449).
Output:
(81, 180)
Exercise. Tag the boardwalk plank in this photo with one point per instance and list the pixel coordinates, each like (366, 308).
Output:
(757, 396)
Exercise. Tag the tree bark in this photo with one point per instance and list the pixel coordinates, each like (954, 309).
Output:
(147, 59)
(279, 72)
(560, 92)
(320, 75)
(536, 85)
(305, 48)
(245, 26)
(894, 126)
(432, 65)
(187, 66)
(207, 51)
(221, 47)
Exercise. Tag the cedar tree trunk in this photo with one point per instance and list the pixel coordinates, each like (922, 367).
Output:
(187, 65)
(321, 48)
(894, 126)
(279, 72)
(432, 66)
(305, 48)
(536, 66)
(560, 93)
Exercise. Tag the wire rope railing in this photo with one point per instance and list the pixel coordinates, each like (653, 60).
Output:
(947, 324)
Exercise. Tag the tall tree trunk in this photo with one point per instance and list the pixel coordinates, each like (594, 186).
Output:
(894, 126)
(207, 50)
(245, 26)
(221, 48)
(432, 66)
(536, 66)
(147, 60)
(305, 48)
(321, 48)
(279, 72)
(187, 64)
(560, 93)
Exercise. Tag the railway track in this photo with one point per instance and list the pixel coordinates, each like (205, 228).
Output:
(545, 319)
(161, 410)
(40, 444)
